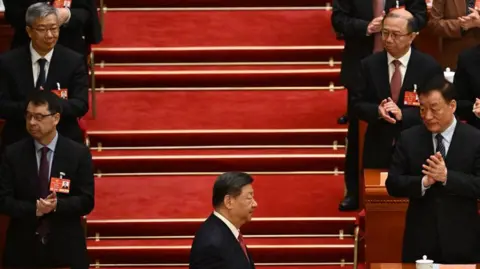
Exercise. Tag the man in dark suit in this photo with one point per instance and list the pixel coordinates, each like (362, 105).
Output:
(437, 166)
(45, 227)
(79, 29)
(467, 84)
(385, 95)
(218, 244)
(42, 65)
(358, 22)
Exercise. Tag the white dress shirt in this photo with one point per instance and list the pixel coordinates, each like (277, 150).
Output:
(403, 66)
(50, 154)
(36, 66)
(447, 139)
(232, 227)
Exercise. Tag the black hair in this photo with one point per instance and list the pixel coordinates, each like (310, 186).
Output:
(229, 183)
(43, 97)
(440, 84)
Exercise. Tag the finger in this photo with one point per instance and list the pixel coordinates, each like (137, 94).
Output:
(431, 164)
(390, 119)
(427, 168)
(435, 159)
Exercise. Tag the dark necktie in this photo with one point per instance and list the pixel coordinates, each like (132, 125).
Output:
(378, 7)
(440, 145)
(470, 4)
(41, 76)
(396, 82)
(43, 173)
(242, 244)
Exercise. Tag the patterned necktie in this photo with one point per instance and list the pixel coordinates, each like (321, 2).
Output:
(396, 82)
(378, 7)
(242, 244)
(43, 173)
(41, 76)
(440, 145)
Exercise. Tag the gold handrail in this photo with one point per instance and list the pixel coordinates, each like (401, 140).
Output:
(92, 77)
(355, 249)
(102, 15)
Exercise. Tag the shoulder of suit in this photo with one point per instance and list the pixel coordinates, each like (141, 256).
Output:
(72, 144)
(14, 54)
(414, 131)
(469, 53)
(68, 52)
(468, 130)
(19, 147)
(423, 57)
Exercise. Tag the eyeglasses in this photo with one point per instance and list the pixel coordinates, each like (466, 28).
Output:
(37, 116)
(42, 30)
(386, 33)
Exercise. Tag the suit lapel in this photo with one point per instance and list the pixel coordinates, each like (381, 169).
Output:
(53, 71)
(383, 83)
(408, 80)
(58, 158)
(32, 167)
(454, 144)
(27, 75)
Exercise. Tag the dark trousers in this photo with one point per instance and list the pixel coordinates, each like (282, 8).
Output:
(352, 154)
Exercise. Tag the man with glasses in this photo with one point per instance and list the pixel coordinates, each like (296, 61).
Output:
(385, 95)
(46, 187)
(79, 24)
(42, 65)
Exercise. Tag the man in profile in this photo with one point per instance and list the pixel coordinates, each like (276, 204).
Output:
(45, 228)
(218, 244)
(437, 166)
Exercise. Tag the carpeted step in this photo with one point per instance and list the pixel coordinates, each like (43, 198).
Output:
(257, 265)
(201, 54)
(258, 160)
(212, 3)
(210, 109)
(210, 68)
(177, 205)
(187, 28)
(262, 250)
(219, 77)
(226, 138)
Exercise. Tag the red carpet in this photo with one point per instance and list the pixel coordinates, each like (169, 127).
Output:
(218, 28)
(164, 131)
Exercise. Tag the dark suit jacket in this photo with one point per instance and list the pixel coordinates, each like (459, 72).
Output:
(16, 82)
(215, 247)
(374, 86)
(467, 84)
(350, 19)
(83, 23)
(18, 194)
(446, 216)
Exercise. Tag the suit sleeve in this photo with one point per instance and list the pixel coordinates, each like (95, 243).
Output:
(344, 22)
(463, 184)
(442, 27)
(465, 96)
(15, 13)
(79, 15)
(208, 258)
(399, 183)
(362, 104)
(82, 200)
(418, 8)
(76, 105)
(8, 204)
(9, 109)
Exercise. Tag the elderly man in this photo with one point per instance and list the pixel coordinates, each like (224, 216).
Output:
(385, 95)
(437, 166)
(45, 228)
(42, 65)
(219, 244)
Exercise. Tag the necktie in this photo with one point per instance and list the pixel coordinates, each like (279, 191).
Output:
(470, 4)
(43, 173)
(242, 244)
(440, 145)
(396, 82)
(41, 76)
(378, 7)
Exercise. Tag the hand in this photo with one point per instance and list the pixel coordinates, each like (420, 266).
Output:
(436, 168)
(47, 205)
(63, 14)
(476, 107)
(382, 112)
(375, 25)
(391, 107)
(470, 21)
(427, 181)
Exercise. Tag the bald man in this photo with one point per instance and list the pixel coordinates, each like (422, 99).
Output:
(385, 96)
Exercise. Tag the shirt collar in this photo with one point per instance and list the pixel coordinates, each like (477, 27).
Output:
(35, 56)
(448, 133)
(232, 227)
(404, 59)
(50, 146)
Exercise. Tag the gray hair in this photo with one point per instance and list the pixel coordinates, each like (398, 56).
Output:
(39, 10)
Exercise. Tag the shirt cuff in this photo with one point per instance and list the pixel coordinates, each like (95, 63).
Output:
(424, 189)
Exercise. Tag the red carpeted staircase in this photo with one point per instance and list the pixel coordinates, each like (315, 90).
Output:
(186, 90)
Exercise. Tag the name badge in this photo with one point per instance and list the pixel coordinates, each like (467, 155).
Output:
(411, 98)
(61, 185)
(62, 3)
(62, 93)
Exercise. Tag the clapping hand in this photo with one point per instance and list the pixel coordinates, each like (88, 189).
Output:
(47, 205)
(435, 169)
